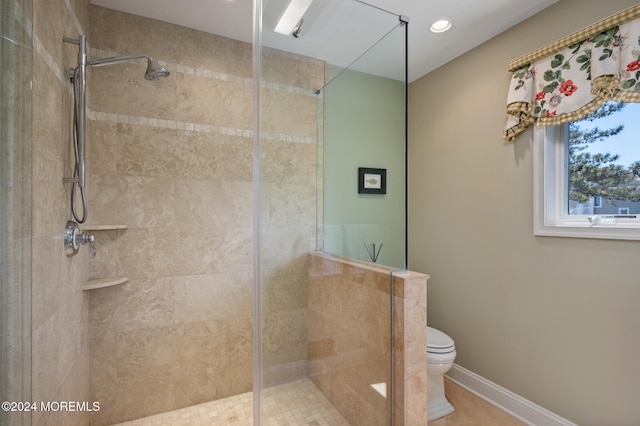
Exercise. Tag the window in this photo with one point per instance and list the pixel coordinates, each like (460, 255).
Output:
(587, 176)
(597, 201)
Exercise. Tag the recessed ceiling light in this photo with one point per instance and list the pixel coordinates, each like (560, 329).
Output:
(441, 26)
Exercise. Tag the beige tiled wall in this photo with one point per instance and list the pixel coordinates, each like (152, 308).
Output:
(409, 348)
(173, 161)
(350, 341)
(60, 308)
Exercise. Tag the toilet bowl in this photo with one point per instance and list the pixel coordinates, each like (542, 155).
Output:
(441, 352)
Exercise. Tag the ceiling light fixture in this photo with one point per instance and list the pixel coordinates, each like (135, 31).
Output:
(441, 26)
(291, 16)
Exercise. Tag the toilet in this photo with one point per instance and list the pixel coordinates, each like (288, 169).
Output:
(441, 352)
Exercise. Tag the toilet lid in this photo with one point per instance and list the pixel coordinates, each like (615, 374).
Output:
(438, 342)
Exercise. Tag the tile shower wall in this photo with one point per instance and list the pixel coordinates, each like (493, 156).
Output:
(350, 341)
(60, 309)
(172, 160)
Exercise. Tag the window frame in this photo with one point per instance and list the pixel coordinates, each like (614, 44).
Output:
(550, 183)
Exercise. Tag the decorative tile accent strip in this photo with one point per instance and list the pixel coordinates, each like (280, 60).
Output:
(289, 89)
(282, 137)
(193, 127)
(168, 124)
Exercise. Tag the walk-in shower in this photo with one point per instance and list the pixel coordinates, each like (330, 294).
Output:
(207, 193)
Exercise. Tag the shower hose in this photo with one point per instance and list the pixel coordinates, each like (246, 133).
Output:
(76, 169)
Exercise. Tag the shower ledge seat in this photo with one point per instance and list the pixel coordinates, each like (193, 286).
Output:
(103, 282)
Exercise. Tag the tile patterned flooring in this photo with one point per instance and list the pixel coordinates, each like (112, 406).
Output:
(295, 403)
(301, 403)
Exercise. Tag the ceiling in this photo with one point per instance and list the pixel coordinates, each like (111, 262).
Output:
(340, 31)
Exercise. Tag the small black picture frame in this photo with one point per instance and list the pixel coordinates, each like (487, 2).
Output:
(372, 181)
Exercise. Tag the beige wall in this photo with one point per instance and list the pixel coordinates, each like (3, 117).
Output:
(554, 320)
(60, 308)
(172, 160)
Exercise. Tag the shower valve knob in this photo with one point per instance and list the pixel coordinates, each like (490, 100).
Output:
(74, 237)
(88, 238)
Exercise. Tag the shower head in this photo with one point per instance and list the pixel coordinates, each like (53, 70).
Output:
(155, 71)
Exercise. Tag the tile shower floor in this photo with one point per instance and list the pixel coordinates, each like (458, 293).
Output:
(296, 403)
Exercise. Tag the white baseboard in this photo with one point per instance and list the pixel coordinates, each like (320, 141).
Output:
(507, 401)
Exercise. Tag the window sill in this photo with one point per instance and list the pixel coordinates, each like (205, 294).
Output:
(600, 231)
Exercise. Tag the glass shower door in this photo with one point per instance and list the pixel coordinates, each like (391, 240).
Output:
(364, 155)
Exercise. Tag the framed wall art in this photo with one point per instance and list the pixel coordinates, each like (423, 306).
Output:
(372, 181)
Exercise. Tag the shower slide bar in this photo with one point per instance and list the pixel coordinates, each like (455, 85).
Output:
(79, 80)
(78, 77)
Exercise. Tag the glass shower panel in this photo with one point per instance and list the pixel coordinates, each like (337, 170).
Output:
(15, 212)
(314, 341)
(364, 155)
(287, 187)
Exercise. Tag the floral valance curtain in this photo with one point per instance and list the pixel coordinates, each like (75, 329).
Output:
(573, 77)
